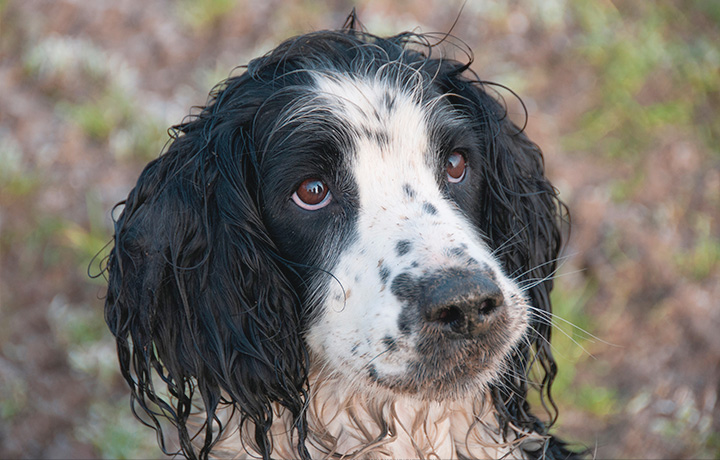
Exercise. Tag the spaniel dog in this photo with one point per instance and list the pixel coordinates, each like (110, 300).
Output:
(347, 253)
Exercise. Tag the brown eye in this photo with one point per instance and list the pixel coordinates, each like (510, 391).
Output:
(312, 194)
(456, 167)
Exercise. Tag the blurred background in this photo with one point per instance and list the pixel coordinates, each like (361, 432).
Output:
(622, 96)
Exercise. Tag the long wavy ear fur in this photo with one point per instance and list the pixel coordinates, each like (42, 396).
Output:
(197, 301)
(522, 215)
(529, 226)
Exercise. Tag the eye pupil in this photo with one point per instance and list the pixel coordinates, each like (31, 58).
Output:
(456, 167)
(312, 191)
(311, 194)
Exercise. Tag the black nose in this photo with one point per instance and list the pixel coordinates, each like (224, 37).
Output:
(460, 303)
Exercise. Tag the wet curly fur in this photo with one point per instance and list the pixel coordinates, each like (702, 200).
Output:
(398, 319)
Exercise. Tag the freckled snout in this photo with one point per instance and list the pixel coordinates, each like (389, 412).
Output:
(460, 303)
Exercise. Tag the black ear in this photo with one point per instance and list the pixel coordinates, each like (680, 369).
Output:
(527, 217)
(196, 295)
(528, 223)
(522, 216)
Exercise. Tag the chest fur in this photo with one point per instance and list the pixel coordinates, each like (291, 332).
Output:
(352, 424)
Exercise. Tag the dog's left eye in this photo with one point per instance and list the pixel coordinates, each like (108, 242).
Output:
(456, 167)
(312, 194)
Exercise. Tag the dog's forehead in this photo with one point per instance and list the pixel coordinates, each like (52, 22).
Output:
(390, 127)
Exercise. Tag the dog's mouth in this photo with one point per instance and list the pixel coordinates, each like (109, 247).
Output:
(447, 372)
(454, 355)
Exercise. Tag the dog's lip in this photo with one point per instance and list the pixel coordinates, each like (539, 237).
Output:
(427, 378)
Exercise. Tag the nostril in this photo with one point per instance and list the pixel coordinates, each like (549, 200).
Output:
(449, 315)
(450, 318)
(488, 305)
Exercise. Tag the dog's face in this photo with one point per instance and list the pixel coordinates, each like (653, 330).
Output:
(405, 292)
(349, 208)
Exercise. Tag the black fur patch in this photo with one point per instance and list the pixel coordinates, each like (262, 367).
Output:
(381, 138)
(384, 274)
(373, 373)
(405, 287)
(390, 343)
(406, 319)
(403, 247)
(429, 208)
(409, 191)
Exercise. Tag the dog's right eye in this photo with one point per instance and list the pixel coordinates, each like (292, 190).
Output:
(312, 194)
(456, 167)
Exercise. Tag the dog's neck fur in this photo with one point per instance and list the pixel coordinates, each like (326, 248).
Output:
(345, 423)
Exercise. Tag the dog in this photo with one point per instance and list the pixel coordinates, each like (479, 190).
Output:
(347, 253)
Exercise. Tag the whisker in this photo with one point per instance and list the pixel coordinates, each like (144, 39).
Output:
(556, 351)
(561, 259)
(530, 283)
(497, 250)
(548, 317)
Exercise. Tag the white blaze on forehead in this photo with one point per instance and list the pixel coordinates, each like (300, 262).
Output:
(389, 126)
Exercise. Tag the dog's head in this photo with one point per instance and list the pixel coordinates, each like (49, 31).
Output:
(349, 204)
